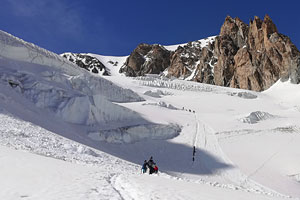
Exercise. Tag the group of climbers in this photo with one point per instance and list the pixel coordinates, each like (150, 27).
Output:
(151, 165)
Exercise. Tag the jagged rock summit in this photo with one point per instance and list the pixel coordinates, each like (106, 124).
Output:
(244, 56)
(254, 56)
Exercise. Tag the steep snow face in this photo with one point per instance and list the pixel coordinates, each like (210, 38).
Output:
(52, 83)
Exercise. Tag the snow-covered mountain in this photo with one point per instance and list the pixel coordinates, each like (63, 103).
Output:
(66, 133)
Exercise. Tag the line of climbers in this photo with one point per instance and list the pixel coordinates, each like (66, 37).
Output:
(151, 165)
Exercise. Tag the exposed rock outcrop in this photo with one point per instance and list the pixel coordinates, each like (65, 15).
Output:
(252, 57)
(193, 61)
(182, 63)
(146, 59)
(87, 62)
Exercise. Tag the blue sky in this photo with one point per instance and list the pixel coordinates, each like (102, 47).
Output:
(116, 27)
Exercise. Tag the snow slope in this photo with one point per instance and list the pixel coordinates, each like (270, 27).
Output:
(80, 172)
(67, 134)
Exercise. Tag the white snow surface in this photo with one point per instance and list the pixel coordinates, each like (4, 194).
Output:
(203, 42)
(67, 134)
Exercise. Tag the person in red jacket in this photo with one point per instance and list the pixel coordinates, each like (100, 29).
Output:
(155, 169)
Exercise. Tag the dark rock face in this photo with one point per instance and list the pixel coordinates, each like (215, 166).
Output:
(182, 63)
(87, 62)
(191, 62)
(254, 56)
(205, 68)
(244, 56)
(146, 59)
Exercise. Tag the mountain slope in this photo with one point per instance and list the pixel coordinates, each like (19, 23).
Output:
(111, 130)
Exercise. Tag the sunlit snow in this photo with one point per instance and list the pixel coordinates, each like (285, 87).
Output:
(69, 134)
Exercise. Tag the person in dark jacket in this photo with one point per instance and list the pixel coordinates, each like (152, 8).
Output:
(151, 165)
(144, 167)
(194, 152)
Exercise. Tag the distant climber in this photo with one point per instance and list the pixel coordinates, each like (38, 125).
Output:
(151, 165)
(194, 152)
(155, 169)
(144, 167)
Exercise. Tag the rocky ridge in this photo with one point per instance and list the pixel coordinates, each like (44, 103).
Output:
(254, 56)
(244, 56)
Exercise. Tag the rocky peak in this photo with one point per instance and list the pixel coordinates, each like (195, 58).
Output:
(181, 63)
(236, 29)
(268, 26)
(146, 59)
(243, 56)
(143, 48)
(266, 56)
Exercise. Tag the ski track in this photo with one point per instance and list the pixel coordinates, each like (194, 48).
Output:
(210, 143)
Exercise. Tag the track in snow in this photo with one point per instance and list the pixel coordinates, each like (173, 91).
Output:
(206, 140)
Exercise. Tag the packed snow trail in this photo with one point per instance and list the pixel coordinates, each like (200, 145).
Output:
(208, 142)
(202, 141)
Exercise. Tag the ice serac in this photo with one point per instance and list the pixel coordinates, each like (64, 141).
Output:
(254, 56)
(54, 84)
